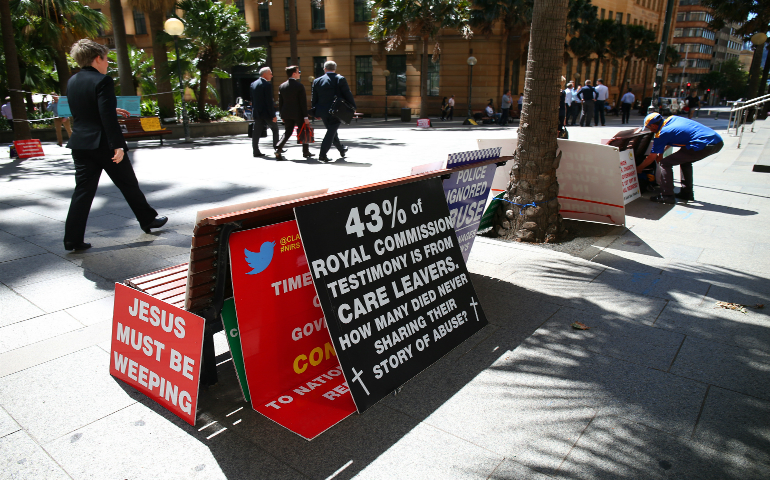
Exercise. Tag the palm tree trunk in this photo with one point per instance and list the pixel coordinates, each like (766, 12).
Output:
(507, 69)
(293, 31)
(21, 130)
(530, 211)
(30, 103)
(160, 59)
(424, 79)
(202, 85)
(62, 68)
(644, 89)
(121, 47)
(596, 70)
(625, 77)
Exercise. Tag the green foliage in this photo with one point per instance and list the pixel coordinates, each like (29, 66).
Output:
(142, 70)
(5, 125)
(149, 107)
(735, 79)
(511, 13)
(395, 20)
(752, 15)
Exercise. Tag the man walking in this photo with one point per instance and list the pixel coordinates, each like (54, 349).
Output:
(626, 102)
(693, 102)
(53, 106)
(505, 106)
(587, 95)
(325, 89)
(573, 109)
(292, 103)
(97, 144)
(602, 93)
(264, 110)
(450, 107)
(696, 141)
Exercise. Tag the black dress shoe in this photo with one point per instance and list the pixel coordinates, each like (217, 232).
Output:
(280, 150)
(278, 155)
(324, 159)
(157, 223)
(686, 195)
(259, 154)
(342, 151)
(308, 155)
(669, 199)
(76, 246)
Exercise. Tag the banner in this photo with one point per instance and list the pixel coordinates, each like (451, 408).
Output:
(292, 371)
(392, 282)
(230, 326)
(28, 148)
(130, 103)
(156, 348)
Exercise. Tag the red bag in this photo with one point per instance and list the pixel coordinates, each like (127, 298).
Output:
(305, 134)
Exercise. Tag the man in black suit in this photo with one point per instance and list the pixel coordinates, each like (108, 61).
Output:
(325, 88)
(264, 110)
(97, 144)
(292, 103)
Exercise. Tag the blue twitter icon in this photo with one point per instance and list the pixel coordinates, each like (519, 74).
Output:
(261, 260)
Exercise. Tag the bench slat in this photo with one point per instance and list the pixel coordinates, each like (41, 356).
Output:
(140, 281)
(170, 293)
(178, 282)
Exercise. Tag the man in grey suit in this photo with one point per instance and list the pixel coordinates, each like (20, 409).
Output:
(292, 103)
(97, 144)
(325, 88)
(264, 109)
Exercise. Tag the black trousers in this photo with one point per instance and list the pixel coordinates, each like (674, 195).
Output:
(504, 116)
(289, 125)
(332, 124)
(259, 124)
(450, 112)
(626, 109)
(573, 113)
(88, 168)
(684, 158)
(598, 111)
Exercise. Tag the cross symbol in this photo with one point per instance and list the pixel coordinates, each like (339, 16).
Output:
(357, 378)
(473, 304)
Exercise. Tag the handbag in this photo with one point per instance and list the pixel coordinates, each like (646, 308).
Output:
(262, 134)
(340, 108)
(305, 134)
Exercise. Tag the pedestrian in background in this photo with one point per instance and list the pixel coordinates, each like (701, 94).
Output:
(58, 122)
(587, 95)
(5, 110)
(505, 106)
(325, 89)
(450, 108)
(264, 110)
(573, 109)
(521, 103)
(602, 93)
(443, 107)
(693, 102)
(292, 103)
(626, 102)
(97, 144)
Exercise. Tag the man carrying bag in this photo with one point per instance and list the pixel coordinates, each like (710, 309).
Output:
(328, 91)
(292, 103)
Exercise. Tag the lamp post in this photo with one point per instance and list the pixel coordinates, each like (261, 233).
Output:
(471, 62)
(175, 27)
(387, 75)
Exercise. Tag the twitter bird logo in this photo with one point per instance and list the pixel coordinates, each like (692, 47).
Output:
(261, 260)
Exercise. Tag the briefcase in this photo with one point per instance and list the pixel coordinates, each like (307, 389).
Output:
(342, 110)
(305, 134)
(263, 134)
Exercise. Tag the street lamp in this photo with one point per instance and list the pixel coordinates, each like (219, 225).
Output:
(175, 27)
(387, 74)
(471, 62)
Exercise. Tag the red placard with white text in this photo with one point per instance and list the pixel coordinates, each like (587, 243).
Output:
(423, 122)
(28, 148)
(157, 348)
(292, 370)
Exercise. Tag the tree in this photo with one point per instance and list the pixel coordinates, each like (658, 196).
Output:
(513, 15)
(637, 39)
(121, 47)
(395, 20)
(218, 34)
(582, 23)
(156, 15)
(735, 79)
(21, 129)
(605, 30)
(530, 207)
(140, 66)
(753, 17)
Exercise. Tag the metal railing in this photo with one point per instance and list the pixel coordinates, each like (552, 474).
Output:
(739, 114)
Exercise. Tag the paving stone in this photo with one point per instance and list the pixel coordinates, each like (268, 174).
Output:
(426, 452)
(23, 333)
(510, 469)
(68, 291)
(492, 270)
(494, 253)
(23, 223)
(17, 250)
(614, 336)
(746, 330)
(109, 221)
(21, 458)
(42, 399)
(630, 262)
(7, 424)
(737, 261)
(740, 294)
(607, 299)
(144, 444)
(613, 447)
(54, 243)
(36, 269)
(736, 424)
(734, 368)
(15, 308)
(8, 239)
(93, 312)
(122, 263)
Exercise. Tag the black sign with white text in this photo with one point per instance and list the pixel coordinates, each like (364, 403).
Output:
(392, 283)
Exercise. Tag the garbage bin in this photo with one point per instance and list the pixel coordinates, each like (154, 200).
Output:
(406, 114)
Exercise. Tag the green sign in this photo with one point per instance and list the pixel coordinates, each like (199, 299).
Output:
(488, 219)
(230, 322)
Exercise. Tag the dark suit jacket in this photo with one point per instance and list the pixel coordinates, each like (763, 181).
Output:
(262, 99)
(92, 101)
(292, 100)
(324, 91)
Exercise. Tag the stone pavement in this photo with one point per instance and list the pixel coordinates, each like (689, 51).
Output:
(663, 385)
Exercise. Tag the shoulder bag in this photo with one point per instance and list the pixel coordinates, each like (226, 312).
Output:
(340, 108)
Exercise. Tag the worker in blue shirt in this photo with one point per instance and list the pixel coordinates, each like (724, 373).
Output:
(696, 142)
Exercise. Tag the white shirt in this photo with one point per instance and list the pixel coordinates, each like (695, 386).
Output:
(451, 102)
(6, 111)
(602, 92)
(489, 111)
(628, 98)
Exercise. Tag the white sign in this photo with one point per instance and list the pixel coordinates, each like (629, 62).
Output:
(629, 176)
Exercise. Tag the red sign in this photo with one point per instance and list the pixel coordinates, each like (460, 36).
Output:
(423, 122)
(292, 370)
(29, 148)
(156, 348)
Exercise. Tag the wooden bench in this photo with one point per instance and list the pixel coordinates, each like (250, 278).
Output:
(133, 127)
(357, 115)
(202, 285)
